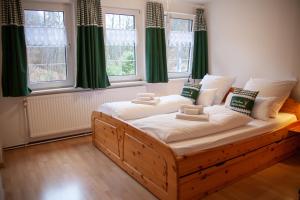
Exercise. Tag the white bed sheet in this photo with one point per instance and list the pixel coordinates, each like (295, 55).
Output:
(168, 128)
(130, 111)
(253, 128)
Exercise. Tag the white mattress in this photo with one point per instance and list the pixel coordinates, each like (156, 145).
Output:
(253, 128)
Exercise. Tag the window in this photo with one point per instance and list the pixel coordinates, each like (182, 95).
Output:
(121, 44)
(46, 46)
(179, 44)
(48, 53)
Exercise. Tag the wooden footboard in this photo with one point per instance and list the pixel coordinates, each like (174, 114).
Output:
(155, 166)
(149, 161)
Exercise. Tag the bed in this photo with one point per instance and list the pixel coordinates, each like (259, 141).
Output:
(193, 169)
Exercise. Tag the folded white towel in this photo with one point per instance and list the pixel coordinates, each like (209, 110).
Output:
(144, 98)
(196, 109)
(192, 106)
(190, 111)
(202, 117)
(155, 101)
(145, 95)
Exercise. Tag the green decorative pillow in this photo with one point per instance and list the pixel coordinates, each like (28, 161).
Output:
(243, 100)
(191, 91)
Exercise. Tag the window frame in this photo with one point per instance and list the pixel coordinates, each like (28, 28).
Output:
(138, 47)
(169, 16)
(69, 16)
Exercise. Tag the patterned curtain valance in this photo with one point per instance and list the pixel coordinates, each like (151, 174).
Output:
(200, 23)
(14, 60)
(91, 64)
(155, 15)
(156, 57)
(12, 12)
(89, 13)
(200, 53)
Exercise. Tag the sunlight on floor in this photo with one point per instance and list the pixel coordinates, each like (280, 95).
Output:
(67, 191)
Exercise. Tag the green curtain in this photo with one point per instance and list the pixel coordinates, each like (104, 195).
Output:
(156, 59)
(91, 65)
(200, 55)
(14, 61)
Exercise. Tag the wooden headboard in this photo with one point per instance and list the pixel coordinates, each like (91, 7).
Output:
(230, 90)
(291, 106)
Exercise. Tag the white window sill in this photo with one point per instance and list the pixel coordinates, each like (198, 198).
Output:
(72, 89)
(178, 75)
(113, 85)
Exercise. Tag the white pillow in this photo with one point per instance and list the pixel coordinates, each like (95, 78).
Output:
(206, 97)
(262, 108)
(222, 83)
(272, 88)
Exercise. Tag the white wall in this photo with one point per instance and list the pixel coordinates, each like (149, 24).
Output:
(12, 120)
(254, 38)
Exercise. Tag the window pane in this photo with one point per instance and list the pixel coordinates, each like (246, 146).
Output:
(181, 25)
(46, 72)
(184, 64)
(185, 52)
(46, 46)
(34, 18)
(54, 19)
(127, 53)
(113, 52)
(44, 55)
(120, 44)
(114, 68)
(172, 53)
(180, 45)
(172, 66)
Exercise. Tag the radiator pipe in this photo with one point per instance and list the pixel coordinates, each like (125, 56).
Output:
(27, 127)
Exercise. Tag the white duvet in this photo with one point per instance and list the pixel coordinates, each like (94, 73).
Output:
(127, 110)
(169, 129)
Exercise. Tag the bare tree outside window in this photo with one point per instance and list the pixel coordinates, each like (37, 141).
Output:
(46, 46)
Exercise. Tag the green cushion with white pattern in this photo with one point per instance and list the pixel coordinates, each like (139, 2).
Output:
(191, 91)
(243, 100)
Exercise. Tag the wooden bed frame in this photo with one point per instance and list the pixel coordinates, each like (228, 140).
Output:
(154, 165)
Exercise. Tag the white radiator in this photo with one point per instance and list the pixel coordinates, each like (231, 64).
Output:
(70, 112)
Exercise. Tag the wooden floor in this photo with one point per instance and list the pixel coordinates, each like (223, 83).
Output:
(75, 170)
